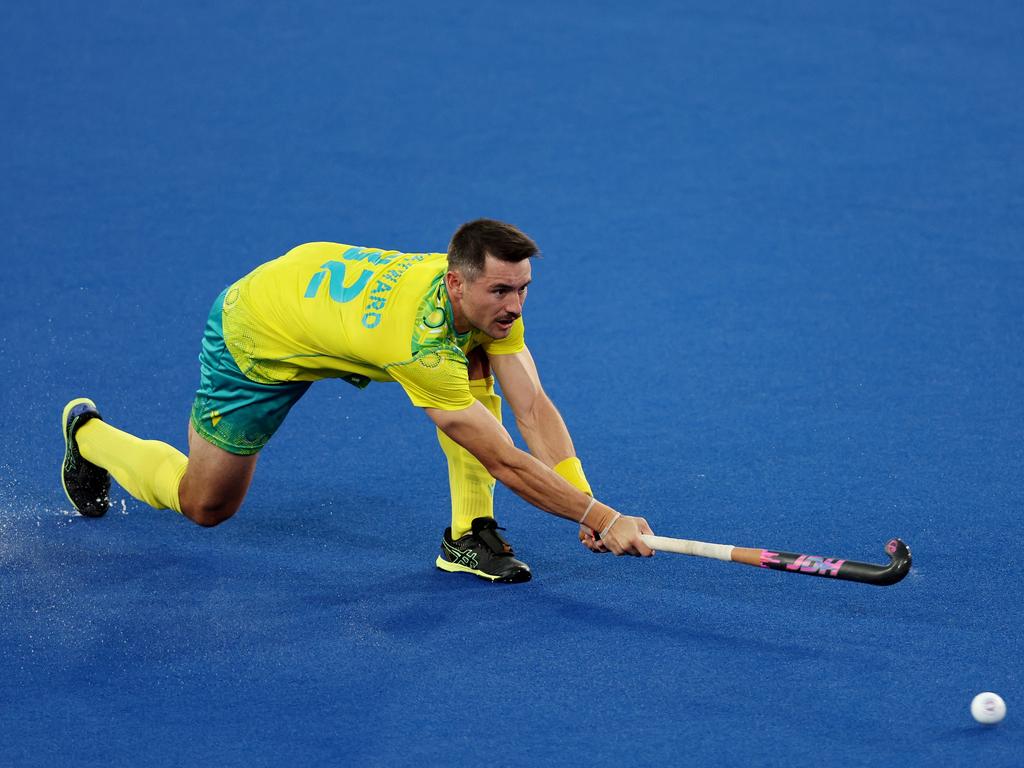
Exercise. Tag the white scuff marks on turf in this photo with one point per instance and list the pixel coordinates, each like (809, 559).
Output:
(361, 620)
(6, 539)
(71, 514)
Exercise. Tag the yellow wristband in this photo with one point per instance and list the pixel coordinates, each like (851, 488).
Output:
(572, 471)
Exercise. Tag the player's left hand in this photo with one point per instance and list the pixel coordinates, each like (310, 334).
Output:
(590, 541)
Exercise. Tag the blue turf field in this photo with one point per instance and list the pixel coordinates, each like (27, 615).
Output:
(820, 345)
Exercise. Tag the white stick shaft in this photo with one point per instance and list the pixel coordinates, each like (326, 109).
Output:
(687, 547)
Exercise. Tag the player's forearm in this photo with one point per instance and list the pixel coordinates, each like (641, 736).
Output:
(545, 432)
(529, 478)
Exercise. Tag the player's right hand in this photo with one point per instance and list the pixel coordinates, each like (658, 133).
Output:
(623, 538)
(590, 540)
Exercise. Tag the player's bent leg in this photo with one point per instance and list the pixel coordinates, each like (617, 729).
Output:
(472, 544)
(472, 487)
(215, 482)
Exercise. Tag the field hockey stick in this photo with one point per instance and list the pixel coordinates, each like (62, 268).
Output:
(812, 565)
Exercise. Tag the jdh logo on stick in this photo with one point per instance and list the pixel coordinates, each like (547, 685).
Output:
(823, 566)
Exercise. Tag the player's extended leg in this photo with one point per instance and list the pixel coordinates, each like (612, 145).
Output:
(233, 417)
(208, 487)
(473, 544)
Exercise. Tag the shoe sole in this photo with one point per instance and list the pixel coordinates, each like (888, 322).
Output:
(515, 578)
(67, 448)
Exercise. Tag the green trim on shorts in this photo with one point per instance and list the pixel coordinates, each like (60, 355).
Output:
(231, 411)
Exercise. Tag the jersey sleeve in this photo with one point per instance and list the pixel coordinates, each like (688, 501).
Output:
(436, 378)
(514, 342)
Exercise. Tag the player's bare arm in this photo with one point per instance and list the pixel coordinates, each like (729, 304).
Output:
(539, 421)
(476, 430)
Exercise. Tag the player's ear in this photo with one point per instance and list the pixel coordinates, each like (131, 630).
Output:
(454, 283)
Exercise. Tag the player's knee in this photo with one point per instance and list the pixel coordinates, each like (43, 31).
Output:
(209, 513)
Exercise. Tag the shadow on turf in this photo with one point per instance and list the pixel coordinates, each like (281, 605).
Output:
(421, 605)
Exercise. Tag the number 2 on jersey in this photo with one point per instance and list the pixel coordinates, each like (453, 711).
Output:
(336, 285)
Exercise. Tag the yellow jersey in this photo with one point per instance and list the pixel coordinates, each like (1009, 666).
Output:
(329, 310)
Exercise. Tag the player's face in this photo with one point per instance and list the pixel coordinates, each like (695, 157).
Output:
(494, 300)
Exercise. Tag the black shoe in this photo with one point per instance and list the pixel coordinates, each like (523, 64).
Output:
(86, 485)
(482, 552)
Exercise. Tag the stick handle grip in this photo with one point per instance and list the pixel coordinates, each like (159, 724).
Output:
(688, 547)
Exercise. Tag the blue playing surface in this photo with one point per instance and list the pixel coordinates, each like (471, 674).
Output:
(817, 343)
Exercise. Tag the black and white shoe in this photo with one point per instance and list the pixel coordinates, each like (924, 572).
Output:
(484, 553)
(86, 485)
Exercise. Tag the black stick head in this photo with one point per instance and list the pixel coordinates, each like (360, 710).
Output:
(899, 563)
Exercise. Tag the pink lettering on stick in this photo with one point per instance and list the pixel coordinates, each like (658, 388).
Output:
(769, 558)
(797, 564)
(831, 566)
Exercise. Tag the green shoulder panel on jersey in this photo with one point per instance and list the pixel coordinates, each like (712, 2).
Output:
(435, 323)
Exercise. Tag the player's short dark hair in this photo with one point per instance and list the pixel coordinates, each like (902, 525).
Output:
(475, 239)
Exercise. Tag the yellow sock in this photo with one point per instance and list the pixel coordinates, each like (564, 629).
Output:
(148, 469)
(472, 486)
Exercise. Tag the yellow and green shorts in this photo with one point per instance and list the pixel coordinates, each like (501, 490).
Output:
(230, 410)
